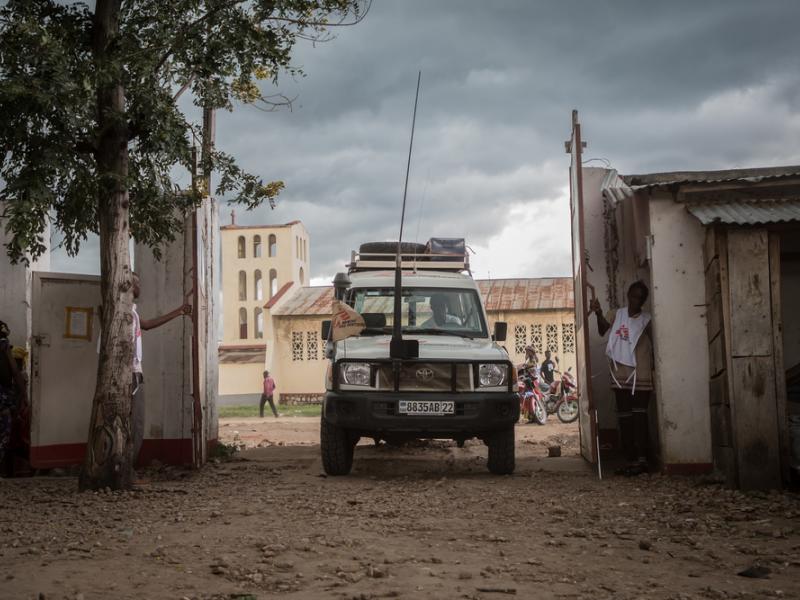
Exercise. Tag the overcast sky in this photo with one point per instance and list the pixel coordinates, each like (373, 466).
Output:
(659, 86)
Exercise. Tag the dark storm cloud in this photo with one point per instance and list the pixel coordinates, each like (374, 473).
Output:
(660, 86)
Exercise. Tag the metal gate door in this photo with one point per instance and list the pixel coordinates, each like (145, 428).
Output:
(63, 366)
(588, 420)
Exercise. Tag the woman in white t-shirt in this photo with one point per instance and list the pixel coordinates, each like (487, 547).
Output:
(630, 361)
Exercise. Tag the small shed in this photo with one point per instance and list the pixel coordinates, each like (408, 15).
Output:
(720, 251)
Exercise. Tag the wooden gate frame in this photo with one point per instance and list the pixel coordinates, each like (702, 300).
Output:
(575, 148)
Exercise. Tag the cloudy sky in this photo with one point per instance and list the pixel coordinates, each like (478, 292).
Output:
(659, 86)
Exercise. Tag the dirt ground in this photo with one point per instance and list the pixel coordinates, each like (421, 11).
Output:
(425, 521)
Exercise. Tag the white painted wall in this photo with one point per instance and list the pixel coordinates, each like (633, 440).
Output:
(680, 337)
(64, 369)
(167, 360)
(166, 351)
(15, 289)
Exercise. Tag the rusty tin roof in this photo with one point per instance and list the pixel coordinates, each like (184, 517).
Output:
(549, 293)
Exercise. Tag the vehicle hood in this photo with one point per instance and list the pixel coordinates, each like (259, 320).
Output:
(430, 346)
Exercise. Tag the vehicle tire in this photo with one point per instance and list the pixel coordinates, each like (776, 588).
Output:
(501, 452)
(337, 449)
(382, 247)
(388, 248)
(568, 411)
(539, 411)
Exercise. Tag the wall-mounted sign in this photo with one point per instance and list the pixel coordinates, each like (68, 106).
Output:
(78, 323)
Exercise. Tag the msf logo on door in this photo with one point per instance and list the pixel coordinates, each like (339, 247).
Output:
(424, 374)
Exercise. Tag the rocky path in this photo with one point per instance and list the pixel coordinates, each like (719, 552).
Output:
(421, 522)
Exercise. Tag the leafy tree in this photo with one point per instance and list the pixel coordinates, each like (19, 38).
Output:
(90, 131)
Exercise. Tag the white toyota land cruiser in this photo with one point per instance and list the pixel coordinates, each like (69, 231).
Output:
(461, 384)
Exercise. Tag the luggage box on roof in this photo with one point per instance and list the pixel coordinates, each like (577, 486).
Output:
(440, 246)
(439, 254)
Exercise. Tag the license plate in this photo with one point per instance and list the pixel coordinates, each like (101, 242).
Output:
(426, 407)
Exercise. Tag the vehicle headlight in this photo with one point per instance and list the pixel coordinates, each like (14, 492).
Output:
(492, 375)
(355, 373)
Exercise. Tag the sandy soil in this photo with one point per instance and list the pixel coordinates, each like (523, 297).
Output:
(426, 521)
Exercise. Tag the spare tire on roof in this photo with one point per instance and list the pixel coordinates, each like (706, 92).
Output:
(407, 248)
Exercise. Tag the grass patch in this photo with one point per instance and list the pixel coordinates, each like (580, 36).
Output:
(247, 410)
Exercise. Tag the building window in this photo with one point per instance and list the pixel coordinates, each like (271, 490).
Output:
(241, 246)
(273, 282)
(259, 285)
(273, 245)
(257, 246)
(297, 345)
(305, 250)
(242, 323)
(302, 277)
(552, 337)
(536, 337)
(258, 320)
(297, 246)
(568, 337)
(520, 335)
(242, 285)
(312, 348)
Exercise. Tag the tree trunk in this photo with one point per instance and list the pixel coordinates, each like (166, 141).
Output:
(109, 460)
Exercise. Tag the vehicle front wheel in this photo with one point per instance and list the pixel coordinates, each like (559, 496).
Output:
(337, 449)
(501, 452)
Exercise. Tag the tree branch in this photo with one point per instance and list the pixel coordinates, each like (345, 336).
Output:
(199, 20)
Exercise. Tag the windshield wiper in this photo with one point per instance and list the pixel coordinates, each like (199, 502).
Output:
(439, 332)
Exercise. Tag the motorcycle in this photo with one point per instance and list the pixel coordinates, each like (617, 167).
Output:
(531, 400)
(561, 397)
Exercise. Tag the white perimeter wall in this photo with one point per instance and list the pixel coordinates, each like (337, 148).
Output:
(680, 335)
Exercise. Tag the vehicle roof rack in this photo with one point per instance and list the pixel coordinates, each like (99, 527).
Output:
(380, 261)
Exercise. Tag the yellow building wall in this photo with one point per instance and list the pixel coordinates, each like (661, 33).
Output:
(298, 361)
(237, 379)
(291, 257)
(543, 329)
(291, 262)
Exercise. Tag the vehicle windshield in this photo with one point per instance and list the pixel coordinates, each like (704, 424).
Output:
(430, 311)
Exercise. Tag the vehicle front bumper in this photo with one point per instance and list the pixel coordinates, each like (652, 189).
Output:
(375, 413)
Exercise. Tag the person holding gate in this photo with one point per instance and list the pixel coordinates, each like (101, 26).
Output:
(630, 360)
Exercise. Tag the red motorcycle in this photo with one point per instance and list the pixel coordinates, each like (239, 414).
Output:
(532, 405)
(561, 397)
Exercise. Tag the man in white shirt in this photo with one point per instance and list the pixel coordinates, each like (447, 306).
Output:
(630, 360)
(440, 319)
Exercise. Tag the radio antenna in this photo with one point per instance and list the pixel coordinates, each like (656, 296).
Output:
(399, 349)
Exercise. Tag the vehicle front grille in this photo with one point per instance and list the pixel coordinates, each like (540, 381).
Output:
(426, 377)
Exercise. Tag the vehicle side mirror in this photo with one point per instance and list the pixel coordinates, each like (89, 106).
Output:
(500, 331)
(326, 330)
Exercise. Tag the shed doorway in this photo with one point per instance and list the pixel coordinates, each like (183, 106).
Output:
(790, 320)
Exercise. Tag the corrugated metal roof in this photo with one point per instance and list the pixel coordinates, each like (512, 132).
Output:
(680, 177)
(552, 293)
(527, 294)
(614, 187)
(306, 301)
(746, 212)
